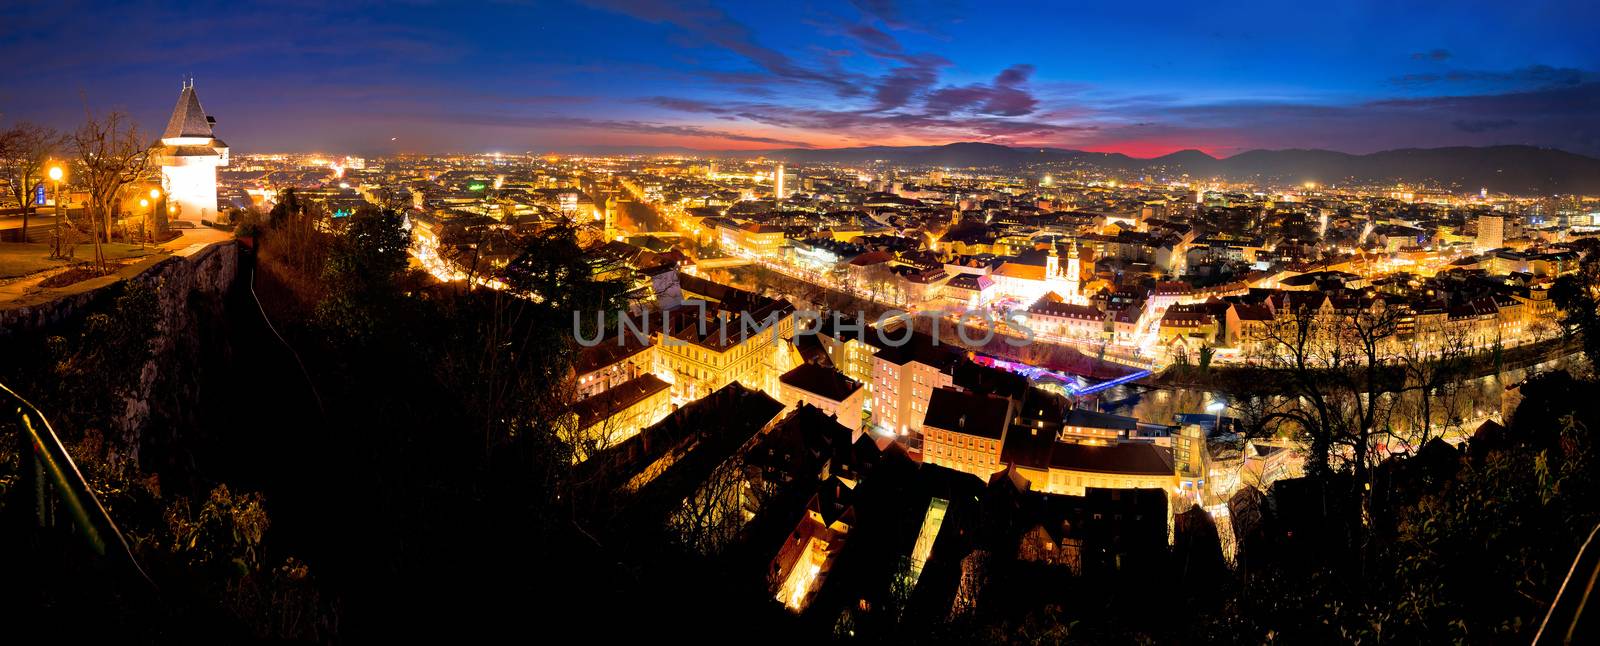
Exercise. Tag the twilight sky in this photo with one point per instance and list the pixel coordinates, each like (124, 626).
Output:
(1144, 78)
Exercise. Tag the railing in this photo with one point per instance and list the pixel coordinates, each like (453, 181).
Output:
(49, 482)
(1563, 624)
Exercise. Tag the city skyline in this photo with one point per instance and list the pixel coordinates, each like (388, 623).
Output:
(564, 77)
(841, 321)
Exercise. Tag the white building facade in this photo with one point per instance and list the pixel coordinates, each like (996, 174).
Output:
(189, 155)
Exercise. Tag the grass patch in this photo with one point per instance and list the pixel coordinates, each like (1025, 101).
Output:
(18, 259)
(70, 276)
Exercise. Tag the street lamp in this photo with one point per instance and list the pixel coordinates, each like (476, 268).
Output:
(1217, 407)
(56, 174)
(150, 216)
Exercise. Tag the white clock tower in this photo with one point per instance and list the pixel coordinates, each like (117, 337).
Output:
(189, 155)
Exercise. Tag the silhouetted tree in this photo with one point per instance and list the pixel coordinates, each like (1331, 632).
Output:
(112, 153)
(1578, 296)
(363, 270)
(553, 269)
(25, 149)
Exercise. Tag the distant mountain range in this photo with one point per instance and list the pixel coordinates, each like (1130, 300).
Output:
(1510, 169)
(1519, 170)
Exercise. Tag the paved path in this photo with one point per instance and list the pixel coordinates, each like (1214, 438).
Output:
(26, 290)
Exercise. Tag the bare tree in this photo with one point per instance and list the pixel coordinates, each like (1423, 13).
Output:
(1292, 345)
(1332, 380)
(1433, 372)
(1335, 382)
(464, 250)
(25, 150)
(712, 517)
(1366, 339)
(112, 154)
(878, 282)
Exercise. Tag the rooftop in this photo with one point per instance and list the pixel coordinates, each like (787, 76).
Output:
(188, 118)
(968, 412)
(822, 381)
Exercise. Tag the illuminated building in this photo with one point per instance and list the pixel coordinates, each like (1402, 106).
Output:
(965, 431)
(1028, 282)
(1066, 320)
(754, 238)
(970, 291)
(1190, 458)
(1255, 322)
(762, 240)
(847, 347)
(778, 178)
(189, 155)
(834, 393)
(1064, 467)
(599, 367)
(1491, 232)
(741, 413)
(807, 555)
(606, 419)
(704, 358)
(613, 206)
(740, 337)
(1083, 425)
(1188, 326)
(904, 377)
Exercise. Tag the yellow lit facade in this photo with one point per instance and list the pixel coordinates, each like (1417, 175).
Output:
(964, 452)
(1074, 482)
(900, 393)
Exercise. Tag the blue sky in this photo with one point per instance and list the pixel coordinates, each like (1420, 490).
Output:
(1144, 78)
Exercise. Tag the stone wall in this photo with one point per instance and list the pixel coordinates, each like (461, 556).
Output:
(190, 290)
(208, 270)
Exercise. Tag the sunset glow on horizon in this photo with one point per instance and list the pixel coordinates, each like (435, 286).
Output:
(704, 75)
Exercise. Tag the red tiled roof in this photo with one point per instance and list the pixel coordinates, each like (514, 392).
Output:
(1017, 270)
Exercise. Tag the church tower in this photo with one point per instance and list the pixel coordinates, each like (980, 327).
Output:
(1073, 271)
(1052, 264)
(611, 208)
(189, 155)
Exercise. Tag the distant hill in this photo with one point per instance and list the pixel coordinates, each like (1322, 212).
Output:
(957, 154)
(1511, 169)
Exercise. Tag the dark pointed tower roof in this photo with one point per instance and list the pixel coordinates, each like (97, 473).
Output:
(188, 118)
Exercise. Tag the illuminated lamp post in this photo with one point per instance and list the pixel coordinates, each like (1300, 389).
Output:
(144, 204)
(150, 216)
(1217, 407)
(56, 175)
